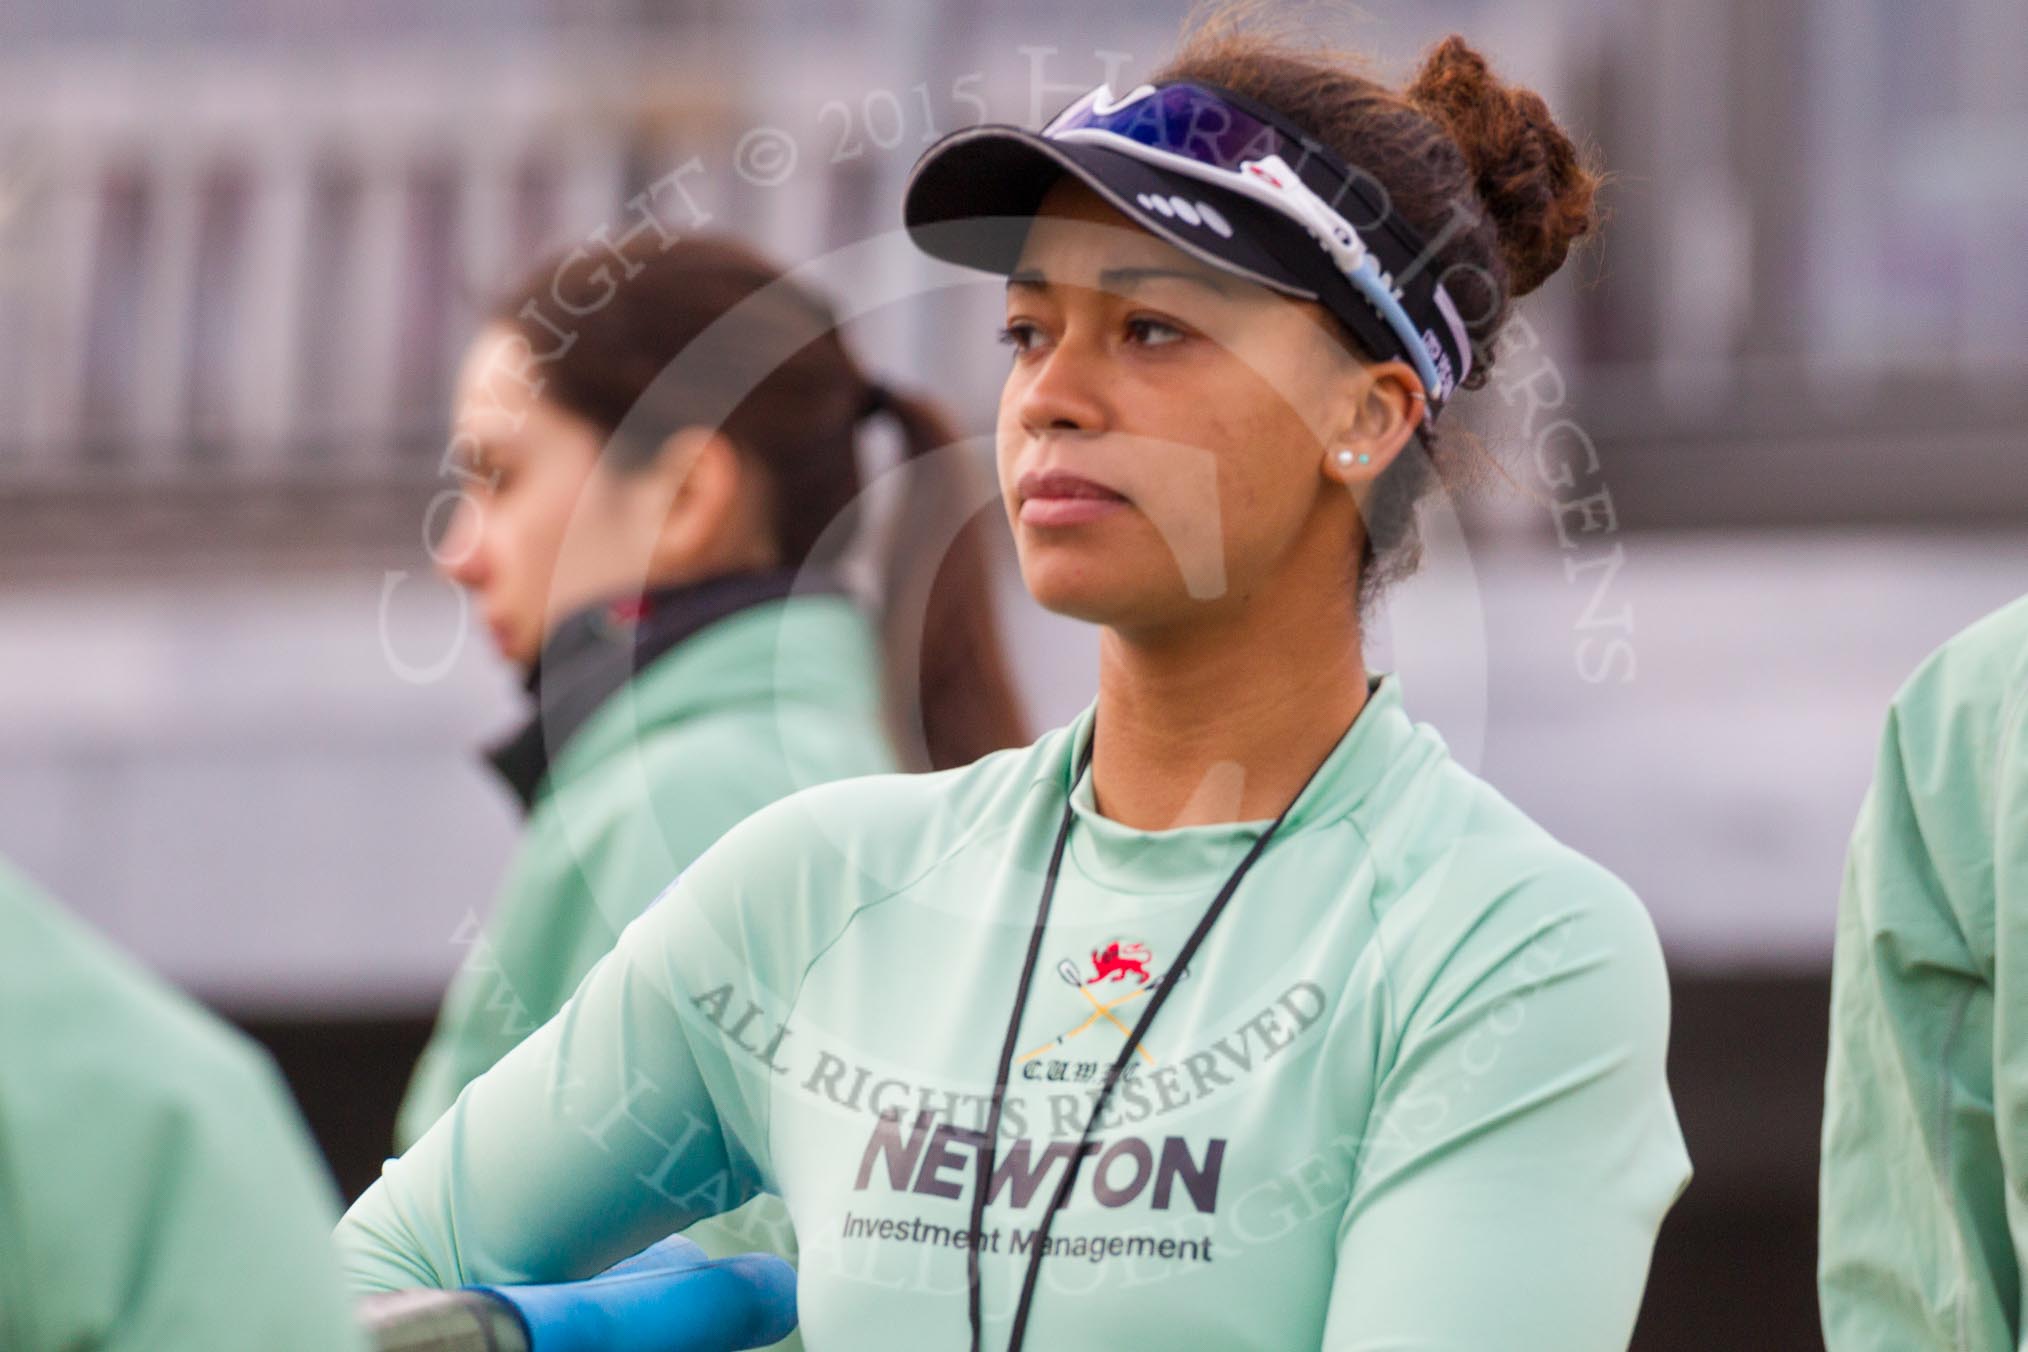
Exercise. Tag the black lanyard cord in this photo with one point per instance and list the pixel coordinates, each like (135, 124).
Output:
(1040, 1239)
(987, 1148)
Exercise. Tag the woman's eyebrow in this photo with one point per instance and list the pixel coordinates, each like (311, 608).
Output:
(1123, 279)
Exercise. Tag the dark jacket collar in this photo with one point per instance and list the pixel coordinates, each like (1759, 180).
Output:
(594, 653)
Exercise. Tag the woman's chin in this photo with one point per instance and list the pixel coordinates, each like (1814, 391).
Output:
(1083, 592)
(519, 651)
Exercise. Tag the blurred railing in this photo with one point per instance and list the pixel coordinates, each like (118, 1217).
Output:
(219, 272)
(248, 271)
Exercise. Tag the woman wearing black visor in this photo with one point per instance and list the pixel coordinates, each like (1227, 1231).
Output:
(1236, 1013)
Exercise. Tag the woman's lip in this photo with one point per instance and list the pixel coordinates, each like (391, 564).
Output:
(1066, 511)
(1058, 498)
(1056, 483)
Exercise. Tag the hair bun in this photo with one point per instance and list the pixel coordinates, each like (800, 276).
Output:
(1533, 182)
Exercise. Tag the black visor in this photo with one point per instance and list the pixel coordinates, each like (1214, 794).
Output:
(972, 195)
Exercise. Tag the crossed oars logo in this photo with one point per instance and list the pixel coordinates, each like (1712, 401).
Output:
(1103, 1009)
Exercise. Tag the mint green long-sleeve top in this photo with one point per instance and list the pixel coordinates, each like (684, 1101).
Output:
(1924, 1195)
(752, 706)
(157, 1191)
(1410, 1093)
(775, 697)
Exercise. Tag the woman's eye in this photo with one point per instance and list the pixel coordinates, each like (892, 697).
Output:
(480, 475)
(1019, 335)
(1153, 332)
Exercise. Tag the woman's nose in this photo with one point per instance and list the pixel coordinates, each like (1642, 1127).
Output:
(1064, 393)
(461, 556)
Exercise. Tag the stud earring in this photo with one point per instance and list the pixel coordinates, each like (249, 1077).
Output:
(1364, 458)
(1345, 459)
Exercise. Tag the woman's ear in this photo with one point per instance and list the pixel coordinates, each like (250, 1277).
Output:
(1382, 405)
(704, 505)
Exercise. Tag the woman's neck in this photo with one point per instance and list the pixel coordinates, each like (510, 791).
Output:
(1225, 722)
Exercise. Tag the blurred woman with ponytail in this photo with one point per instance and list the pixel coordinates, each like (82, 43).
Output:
(1236, 1013)
(657, 490)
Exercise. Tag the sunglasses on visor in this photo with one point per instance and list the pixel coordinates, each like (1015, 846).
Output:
(1215, 137)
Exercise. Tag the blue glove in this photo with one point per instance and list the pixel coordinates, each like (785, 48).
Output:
(667, 1298)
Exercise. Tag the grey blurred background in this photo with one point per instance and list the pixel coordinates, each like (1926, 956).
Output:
(241, 246)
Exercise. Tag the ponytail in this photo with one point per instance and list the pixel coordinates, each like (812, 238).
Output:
(948, 697)
(939, 635)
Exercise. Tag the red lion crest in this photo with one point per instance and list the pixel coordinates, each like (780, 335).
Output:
(1116, 961)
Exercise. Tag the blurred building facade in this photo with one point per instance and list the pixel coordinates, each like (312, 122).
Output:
(241, 247)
